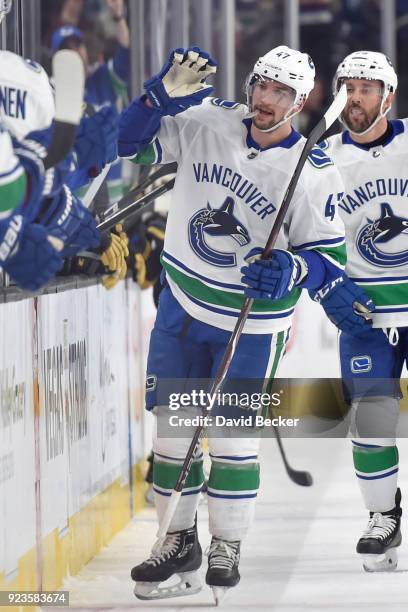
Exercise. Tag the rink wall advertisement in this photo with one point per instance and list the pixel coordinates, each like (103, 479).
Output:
(72, 435)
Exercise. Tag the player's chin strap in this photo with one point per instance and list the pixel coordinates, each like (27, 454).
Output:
(288, 115)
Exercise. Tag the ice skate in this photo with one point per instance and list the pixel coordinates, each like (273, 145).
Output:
(222, 573)
(378, 545)
(180, 556)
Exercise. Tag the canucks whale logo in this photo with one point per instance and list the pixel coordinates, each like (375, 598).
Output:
(383, 231)
(208, 224)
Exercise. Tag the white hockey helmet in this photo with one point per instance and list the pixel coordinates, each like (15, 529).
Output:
(5, 7)
(371, 66)
(287, 66)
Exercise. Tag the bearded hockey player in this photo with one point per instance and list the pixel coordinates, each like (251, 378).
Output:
(370, 155)
(234, 165)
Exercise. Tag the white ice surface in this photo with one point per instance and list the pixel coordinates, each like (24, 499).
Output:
(298, 556)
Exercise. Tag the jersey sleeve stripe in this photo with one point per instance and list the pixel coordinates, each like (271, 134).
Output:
(332, 260)
(310, 245)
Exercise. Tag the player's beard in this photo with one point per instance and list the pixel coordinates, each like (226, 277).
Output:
(359, 123)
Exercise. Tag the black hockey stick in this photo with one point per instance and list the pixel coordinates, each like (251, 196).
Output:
(131, 196)
(69, 79)
(128, 206)
(299, 477)
(325, 122)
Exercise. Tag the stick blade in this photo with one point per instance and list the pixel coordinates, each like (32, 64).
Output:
(303, 479)
(336, 107)
(69, 80)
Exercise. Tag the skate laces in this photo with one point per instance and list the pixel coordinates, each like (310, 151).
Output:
(169, 547)
(223, 554)
(380, 526)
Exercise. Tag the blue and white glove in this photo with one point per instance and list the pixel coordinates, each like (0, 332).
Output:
(67, 220)
(181, 82)
(346, 305)
(96, 141)
(32, 161)
(271, 278)
(27, 253)
(38, 142)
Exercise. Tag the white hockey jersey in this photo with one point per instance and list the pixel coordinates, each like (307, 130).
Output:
(225, 200)
(374, 208)
(26, 96)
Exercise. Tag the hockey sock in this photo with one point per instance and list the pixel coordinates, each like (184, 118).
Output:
(377, 473)
(232, 490)
(166, 471)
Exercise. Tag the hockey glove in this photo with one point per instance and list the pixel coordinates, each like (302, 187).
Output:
(27, 254)
(32, 162)
(271, 278)
(114, 258)
(38, 143)
(181, 83)
(66, 218)
(346, 305)
(96, 141)
(146, 245)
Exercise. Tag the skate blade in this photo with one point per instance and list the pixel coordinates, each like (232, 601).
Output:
(219, 594)
(189, 584)
(386, 562)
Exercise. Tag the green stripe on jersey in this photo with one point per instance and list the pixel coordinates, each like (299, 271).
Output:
(146, 157)
(165, 475)
(386, 295)
(223, 298)
(227, 477)
(338, 253)
(370, 460)
(13, 193)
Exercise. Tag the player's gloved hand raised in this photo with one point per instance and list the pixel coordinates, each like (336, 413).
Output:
(181, 83)
(28, 253)
(96, 140)
(272, 278)
(346, 305)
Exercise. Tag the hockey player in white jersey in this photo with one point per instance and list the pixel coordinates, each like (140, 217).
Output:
(371, 157)
(27, 110)
(234, 166)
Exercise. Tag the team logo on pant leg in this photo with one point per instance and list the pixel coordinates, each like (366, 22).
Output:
(383, 231)
(209, 223)
(361, 364)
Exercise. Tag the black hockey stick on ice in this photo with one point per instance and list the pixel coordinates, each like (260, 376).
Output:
(299, 477)
(325, 122)
(69, 79)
